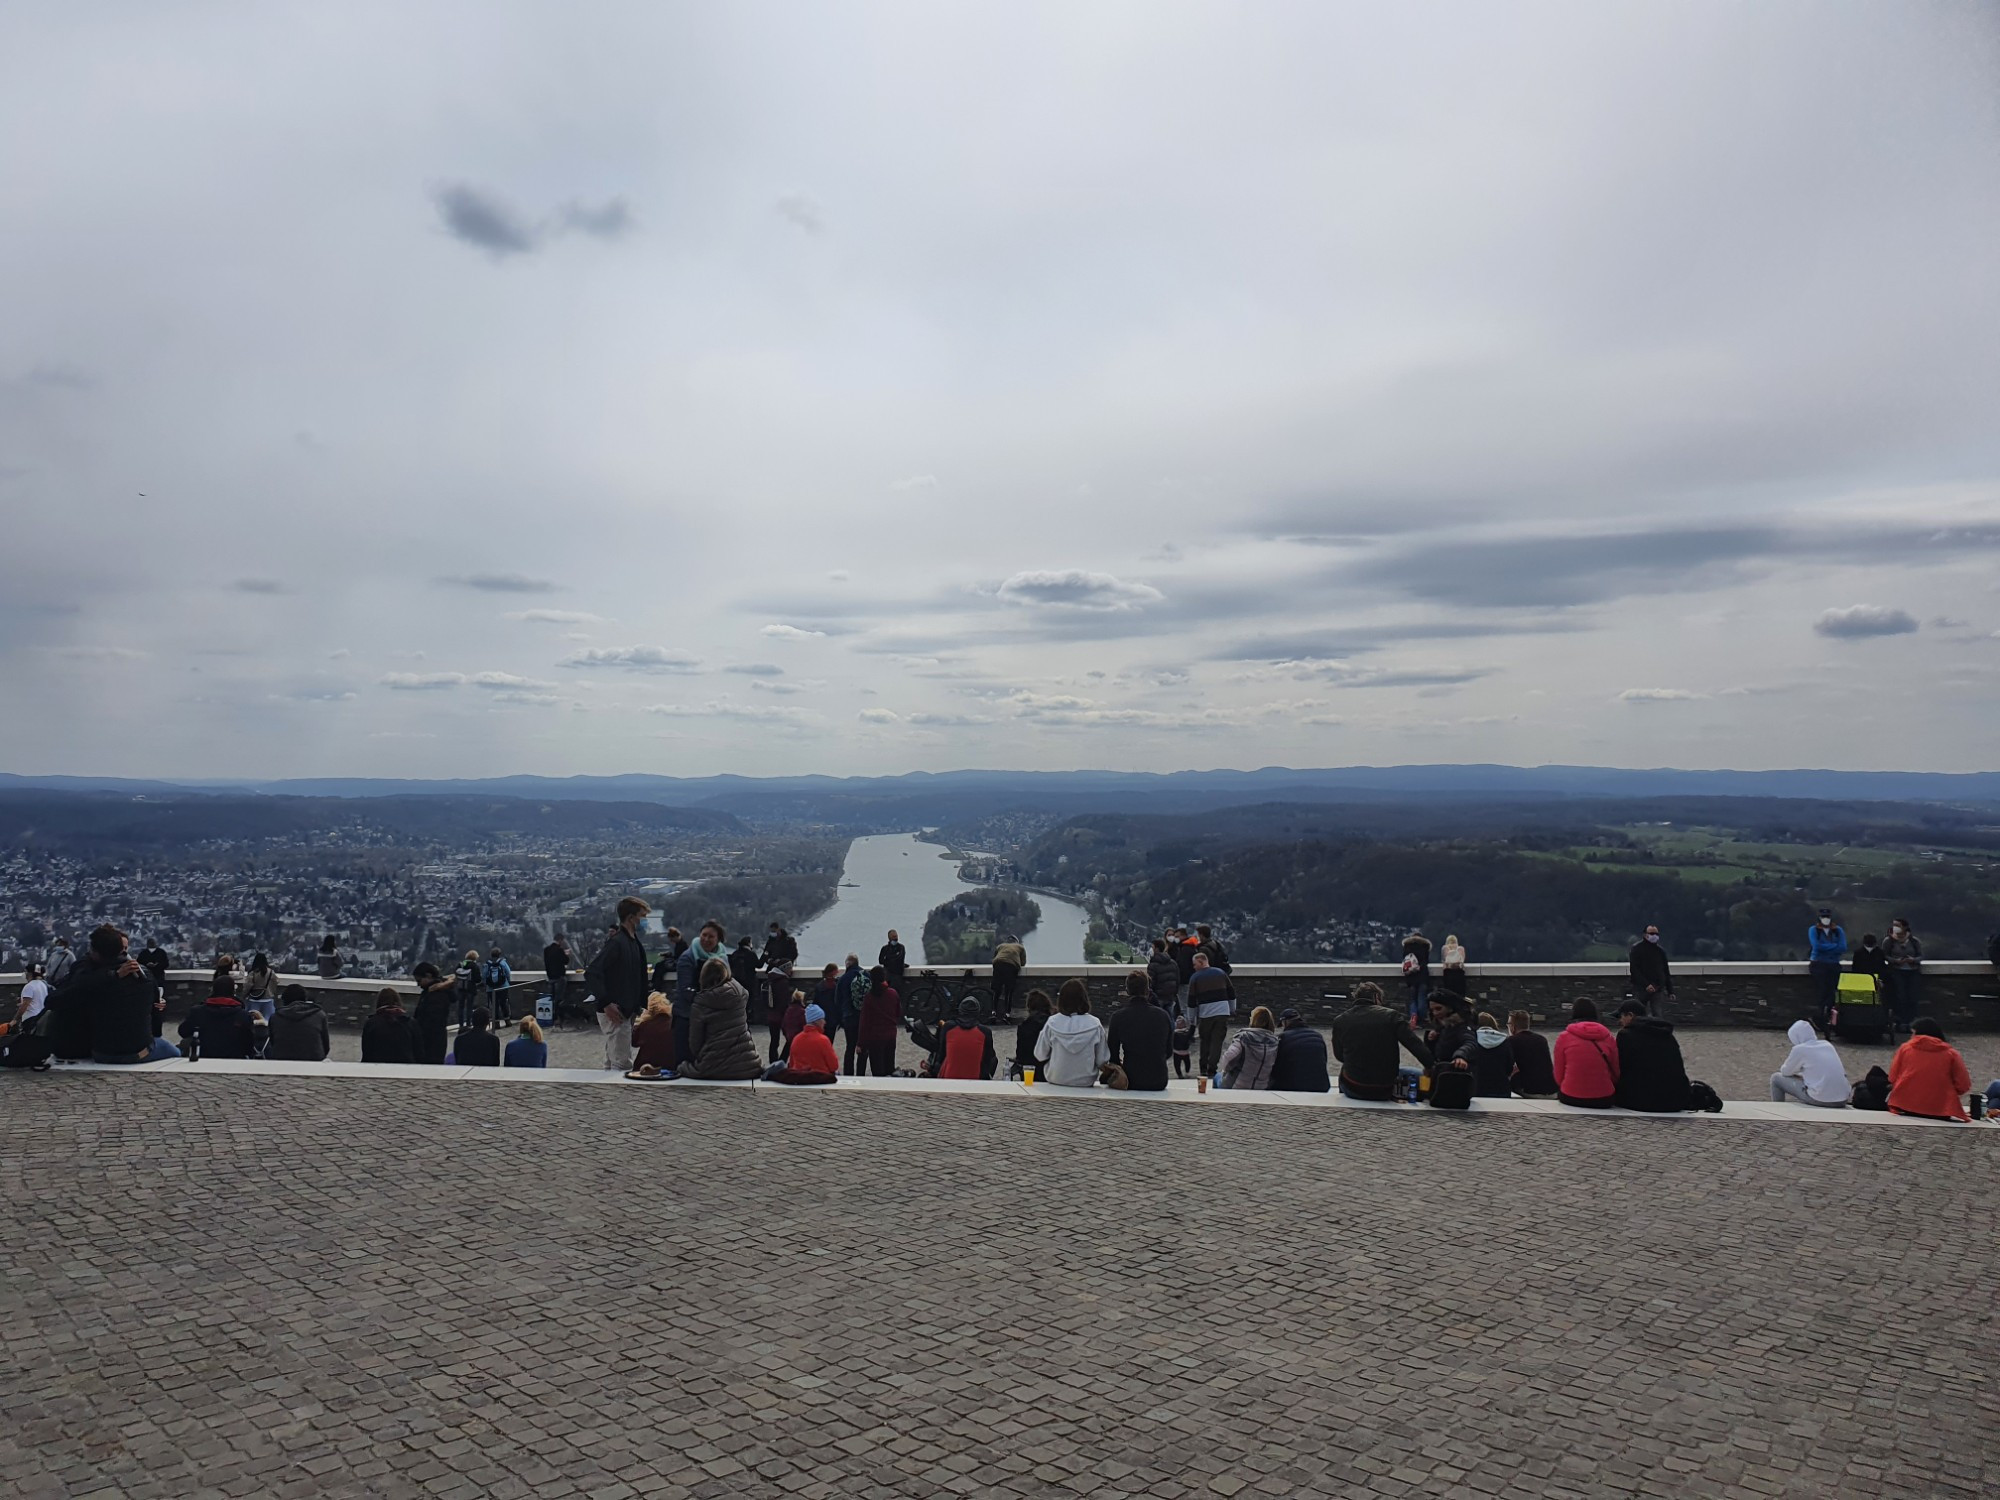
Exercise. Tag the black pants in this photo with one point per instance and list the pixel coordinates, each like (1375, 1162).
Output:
(882, 1058)
(1214, 1031)
(1005, 978)
(499, 1008)
(777, 1039)
(683, 1021)
(1826, 984)
(853, 1034)
(1182, 1062)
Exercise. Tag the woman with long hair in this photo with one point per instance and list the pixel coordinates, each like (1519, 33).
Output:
(528, 1050)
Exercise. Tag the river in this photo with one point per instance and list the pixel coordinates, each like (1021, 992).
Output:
(893, 880)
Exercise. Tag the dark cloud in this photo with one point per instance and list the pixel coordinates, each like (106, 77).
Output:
(1338, 642)
(1859, 621)
(482, 220)
(502, 583)
(757, 669)
(609, 220)
(260, 586)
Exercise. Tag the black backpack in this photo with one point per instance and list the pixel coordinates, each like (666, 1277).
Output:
(1703, 1098)
(1451, 1088)
(1872, 1092)
(25, 1049)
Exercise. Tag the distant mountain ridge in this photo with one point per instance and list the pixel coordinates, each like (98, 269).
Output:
(1058, 788)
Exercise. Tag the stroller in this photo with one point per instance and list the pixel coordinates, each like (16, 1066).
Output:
(1859, 1014)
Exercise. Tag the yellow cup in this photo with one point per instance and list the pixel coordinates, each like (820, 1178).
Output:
(1027, 1075)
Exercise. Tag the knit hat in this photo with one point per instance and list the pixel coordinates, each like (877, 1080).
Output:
(968, 1009)
(814, 1013)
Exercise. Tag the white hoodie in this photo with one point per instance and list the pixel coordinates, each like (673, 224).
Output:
(1817, 1063)
(1071, 1049)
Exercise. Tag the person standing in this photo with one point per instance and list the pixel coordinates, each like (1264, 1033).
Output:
(849, 992)
(1140, 1038)
(437, 992)
(1826, 943)
(707, 948)
(260, 987)
(1417, 976)
(470, 982)
(1180, 947)
(1212, 998)
(499, 977)
(1652, 975)
(61, 960)
(881, 1022)
(153, 959)
(1451, 972)
(615, 983)
(555, 968)
(1009, 959)
(780, 956)
(1903, 957)
(1163, 977)
(329, 958)
(894, 960)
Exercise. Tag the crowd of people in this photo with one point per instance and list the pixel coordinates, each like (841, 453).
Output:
(690, 1015)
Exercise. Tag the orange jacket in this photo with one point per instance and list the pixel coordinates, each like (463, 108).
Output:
(812, 1052)
(1927, 1077)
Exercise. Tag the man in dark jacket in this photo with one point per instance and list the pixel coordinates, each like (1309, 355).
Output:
(1141, 1037)
(1534, 1075)
(104, 1010)
(616, 983)
(1205, 942)
(476, 1046)
(894, 960)
(390, 1036)
(1651, 1075)
(555, 969)
(437, 996)
(221, 1026)
(1300, 1067)
(1365, 1039)
(298, 1028)
(1652, 976)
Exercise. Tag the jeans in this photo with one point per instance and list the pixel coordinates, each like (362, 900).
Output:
(1903, 986)
(1826, 985)
(159, 1051)
(1420, 995)
(558, 988)
(1213, 1030)
(467, 999)
(1785, 1086)
(617, 1042)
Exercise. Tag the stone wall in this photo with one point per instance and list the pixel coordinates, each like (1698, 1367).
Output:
(1962, 996)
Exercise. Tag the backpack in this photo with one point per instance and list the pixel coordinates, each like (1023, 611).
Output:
(1451, 1088)
(497, 975)
(1703, 1098)
(1873, 1091)
(858, 988)
(25, 1046)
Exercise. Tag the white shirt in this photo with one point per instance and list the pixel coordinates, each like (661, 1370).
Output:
(36, 993)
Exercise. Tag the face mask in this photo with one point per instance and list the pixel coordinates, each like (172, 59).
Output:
(1652, 937)
(1826, 921)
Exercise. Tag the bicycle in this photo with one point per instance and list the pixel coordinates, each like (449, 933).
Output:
(934, 998)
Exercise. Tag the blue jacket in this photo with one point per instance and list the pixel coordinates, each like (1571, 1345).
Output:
(1826, 947)
(1301, 1064)
(523, 1052)
(687, 977)
(843, 995)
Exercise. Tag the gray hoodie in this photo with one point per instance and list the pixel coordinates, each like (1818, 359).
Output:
(1071, 1050)
(1248, 1059)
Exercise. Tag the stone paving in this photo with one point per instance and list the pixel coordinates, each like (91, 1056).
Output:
(237, 1286)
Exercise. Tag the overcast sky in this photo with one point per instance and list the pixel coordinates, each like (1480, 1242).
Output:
(471, 389)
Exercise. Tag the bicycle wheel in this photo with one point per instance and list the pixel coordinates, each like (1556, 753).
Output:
(924, 1005)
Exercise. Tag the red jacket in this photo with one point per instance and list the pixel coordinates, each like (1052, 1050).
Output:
(1586, 1061)
(812, 1052)
(1927, 1077)
(881, 1016)
(965, 1051)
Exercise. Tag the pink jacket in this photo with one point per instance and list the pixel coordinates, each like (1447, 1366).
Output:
(1586, 1061)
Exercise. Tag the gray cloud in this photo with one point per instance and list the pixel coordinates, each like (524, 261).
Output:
(1861, 620)
(756, 669)
(55, 375)
(550, 616)
(483, 220)
(423, 682)
(502, 583)
(802, 213)
(609, 220)
(634, 659)
(1075, 588)
(260, 586)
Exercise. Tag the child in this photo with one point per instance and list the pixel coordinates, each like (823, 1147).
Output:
(793, 1024)
(1183, 1044)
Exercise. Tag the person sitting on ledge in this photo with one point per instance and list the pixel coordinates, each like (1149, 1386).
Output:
(653, 1035)
(390, 1035)
(476, 1046)
(1071, 1048)
(104, 1009)
(1811, 1072)
(1492, 1064)
(298, 1028)
(1586, 1061)
(964, 1049)
(1365, 1038)
(1449, 1033)
(1251, 1054)
(1927, 1077)
(528, 1050)
(811, 1058)
(221, 1026)
(1029, 1031)
(720, 1047)
(1300, 1067)
(1652, 1077)
(1534, 1071)
(1139, 1038)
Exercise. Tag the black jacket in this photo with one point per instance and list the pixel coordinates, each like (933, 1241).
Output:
(743, 967)
(1141, 1038)
(1492, 1068)
(390, 1036)
(617, 976)
(220, 1028)
(1447, 1042)
(1218, 956)
(1183, 956)
(780, 950)
(1869, 960)
(476, 1049)
(1648, 963)
(154, 961)
(97, 1014)
(432, 1020)
(894, 958)
(1651, 1075)
(555, 961)
(1025, 1036)
(1301, 1064)
(1534, 1068)
(1365, 1039)
(298, 1033)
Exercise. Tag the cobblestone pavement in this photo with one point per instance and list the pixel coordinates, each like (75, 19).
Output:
(1736, 1064)
(270, 1286)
